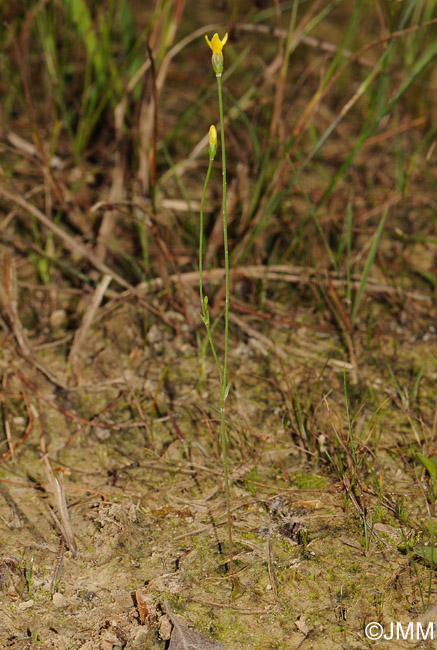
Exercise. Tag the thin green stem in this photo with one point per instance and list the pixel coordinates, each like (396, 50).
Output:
(202, 207)
(203, 298)
(224, 377)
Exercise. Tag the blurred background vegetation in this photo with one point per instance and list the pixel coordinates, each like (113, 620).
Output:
(331, 121)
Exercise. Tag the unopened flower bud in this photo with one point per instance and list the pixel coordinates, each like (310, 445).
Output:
(212, 142)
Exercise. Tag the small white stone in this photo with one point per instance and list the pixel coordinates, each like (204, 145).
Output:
(59, 600)
(165, 628)
(102, 434)
(302, 625)
(154, 335)
(26, 605)
(58, 318)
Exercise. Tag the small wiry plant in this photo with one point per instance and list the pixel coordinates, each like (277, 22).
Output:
(348, 460)
(427, 553)
(216, 46)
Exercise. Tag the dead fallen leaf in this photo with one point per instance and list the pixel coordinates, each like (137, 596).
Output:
(183, 638)
(143, 605)
(302, 625)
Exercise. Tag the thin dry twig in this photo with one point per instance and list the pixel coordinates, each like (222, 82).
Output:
(299, 37)
(9, 307)
(8, 304)
(278, 272)
(108, 408)
(148, 110)
(88, 318)
(73, 416)
(6, 423)
(71, 243)
(268, 343)
(46, 486)
(57, 488)
(28, 428)
(57, 567)
(271, 568)
(116, 191)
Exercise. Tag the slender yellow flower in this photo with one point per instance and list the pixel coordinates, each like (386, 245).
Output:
(216, 46)
(212, 141)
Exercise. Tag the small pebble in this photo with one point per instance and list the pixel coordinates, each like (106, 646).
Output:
(165, 628)
(59, 600)
(26, 605)
(58, 318)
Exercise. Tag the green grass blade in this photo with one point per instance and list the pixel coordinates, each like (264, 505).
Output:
(425, 60)
(368, 265)
(319, 227)
(81, 18)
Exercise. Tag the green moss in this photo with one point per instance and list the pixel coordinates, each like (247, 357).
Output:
(308, 481)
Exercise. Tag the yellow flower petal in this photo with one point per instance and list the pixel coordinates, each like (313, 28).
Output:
(216, 44)
(212, 142)
(212, 135)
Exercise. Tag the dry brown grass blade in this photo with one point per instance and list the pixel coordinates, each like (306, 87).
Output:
(21, 43)
(148, 123)
(6, 422)
(57, 489)
(279, 273)
(46, 486)
(154, 131)
(160, 78)
(313, 105)
(215, 239)
(9, 308)
(316, 43)
(76, 418)
(87, 319)
(117, 185)
(334, 304)
(271, 569)
(149, 109)
(8, 304)
(26, 148)
(288, 41)
(267, 343)
(28, 428)
(17, 198)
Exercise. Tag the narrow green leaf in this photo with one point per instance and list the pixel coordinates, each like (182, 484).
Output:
(428, 553)
(368, 265)
(429, 465)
